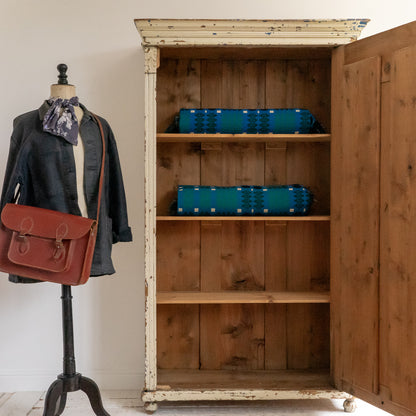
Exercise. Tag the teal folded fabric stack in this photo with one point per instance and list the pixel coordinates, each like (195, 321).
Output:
(243, 200)
(232, 121)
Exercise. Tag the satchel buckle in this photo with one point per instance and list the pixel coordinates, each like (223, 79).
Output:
(61, 233)
(93, 227)
(24, 245)
(59, 250)
(26, 226)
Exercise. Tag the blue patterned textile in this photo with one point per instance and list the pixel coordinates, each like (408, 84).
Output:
(276, 121)
(243, 200)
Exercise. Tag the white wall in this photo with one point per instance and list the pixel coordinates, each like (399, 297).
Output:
(98, 41)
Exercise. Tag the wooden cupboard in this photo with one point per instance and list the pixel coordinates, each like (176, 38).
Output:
(262, 308)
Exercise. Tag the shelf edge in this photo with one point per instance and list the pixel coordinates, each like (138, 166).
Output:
(232, 297)
(242, 218)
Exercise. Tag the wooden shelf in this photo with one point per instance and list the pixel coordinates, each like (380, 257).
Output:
(246, 385)
(242, 218)
(232, 138)
(170, 298)
(244, 379)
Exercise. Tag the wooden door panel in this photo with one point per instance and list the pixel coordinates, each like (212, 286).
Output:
(398, 232)
(355, 225)
(373, 288)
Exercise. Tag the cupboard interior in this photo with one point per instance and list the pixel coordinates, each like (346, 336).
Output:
(274, 343)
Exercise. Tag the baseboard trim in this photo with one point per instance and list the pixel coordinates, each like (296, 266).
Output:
(39, 380)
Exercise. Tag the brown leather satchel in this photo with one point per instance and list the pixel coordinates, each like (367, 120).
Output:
(49, 245)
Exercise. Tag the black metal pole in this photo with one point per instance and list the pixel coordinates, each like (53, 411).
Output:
(70, 380)
(68, 332)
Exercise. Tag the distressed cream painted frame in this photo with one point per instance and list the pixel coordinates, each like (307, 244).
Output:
(156, 34)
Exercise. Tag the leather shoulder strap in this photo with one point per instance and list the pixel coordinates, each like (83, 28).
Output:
(100, 186)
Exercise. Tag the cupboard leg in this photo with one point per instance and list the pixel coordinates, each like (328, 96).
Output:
(350, 405)
(150, 407)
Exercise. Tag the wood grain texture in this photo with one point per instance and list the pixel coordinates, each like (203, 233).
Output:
(178, 244)
(177, 164)
(275, 164)
(398, 232)
(336, 174)
(382, 44)
(178, 85)
(309, 165)
(300, 84)
(308, 269)
(241, 256)
(308, 86)
(275, 258)
(304, 84)
(247, 255)
(227, 379)
(355, 223)
(238, 53)
(232, 337)
(188, 297)
(275, 264)
(19, 403)
(178, 256)
(178, 336)
(178, 259)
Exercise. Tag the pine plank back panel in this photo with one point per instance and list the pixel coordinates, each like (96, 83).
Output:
(178, 85)
(177, 163)
(308, 270)
(275, 233)
(237, 329)
(275, 325)
(178, 245)
(242, 255)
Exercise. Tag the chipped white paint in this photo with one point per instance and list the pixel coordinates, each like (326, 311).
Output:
(151, 54)
(174, 32)
(255, 394)
(151, 60)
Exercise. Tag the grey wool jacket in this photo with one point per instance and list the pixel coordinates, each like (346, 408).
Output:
(42, 166)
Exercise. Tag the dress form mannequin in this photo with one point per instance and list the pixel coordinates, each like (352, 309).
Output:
(67, 91)
(70, 380)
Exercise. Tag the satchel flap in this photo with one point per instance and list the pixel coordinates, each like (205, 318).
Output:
(45, 223)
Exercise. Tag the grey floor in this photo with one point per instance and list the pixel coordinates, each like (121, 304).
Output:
(127, 403)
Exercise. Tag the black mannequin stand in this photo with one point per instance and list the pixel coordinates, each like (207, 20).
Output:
(70, 380)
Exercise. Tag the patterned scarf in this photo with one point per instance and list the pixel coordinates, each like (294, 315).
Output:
(61, 120)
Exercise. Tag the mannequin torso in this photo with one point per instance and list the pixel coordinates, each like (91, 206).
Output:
(67, 91)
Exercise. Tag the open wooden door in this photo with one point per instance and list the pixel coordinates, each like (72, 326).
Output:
(373, 219)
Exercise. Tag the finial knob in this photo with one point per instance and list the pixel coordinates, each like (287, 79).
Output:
(62, 77)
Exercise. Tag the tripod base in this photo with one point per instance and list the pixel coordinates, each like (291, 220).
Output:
(55, 399)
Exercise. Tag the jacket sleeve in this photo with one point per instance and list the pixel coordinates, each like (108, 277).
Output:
(116, 194)
(13, 174)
